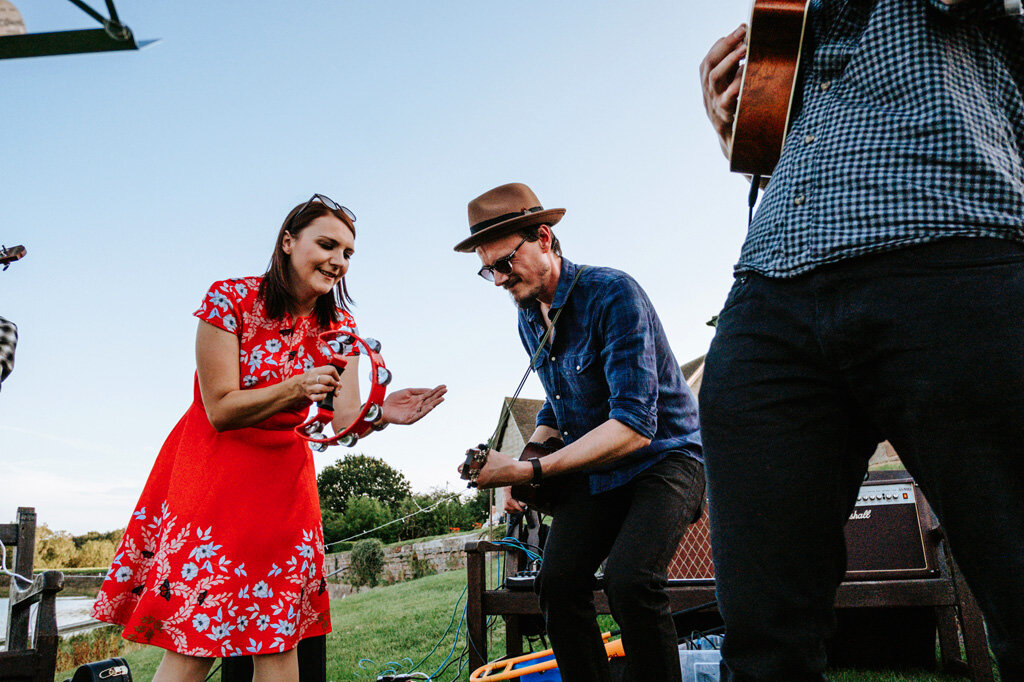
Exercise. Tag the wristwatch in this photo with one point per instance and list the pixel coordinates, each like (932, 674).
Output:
(537, 473)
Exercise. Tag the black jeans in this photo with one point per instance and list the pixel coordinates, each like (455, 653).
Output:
(923, 346)
(638, 527)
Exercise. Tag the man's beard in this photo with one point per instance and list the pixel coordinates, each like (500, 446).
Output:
(527, 300)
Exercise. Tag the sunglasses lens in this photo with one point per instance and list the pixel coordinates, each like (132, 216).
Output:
(486, 273)
(351, 216)
(327, 201)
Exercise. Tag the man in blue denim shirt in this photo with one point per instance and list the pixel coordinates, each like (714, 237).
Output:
(631, 469)
(879, 296)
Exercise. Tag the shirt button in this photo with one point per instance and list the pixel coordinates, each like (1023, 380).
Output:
(799, 200)
(809, 139)
(558, 397)
(552, 358)
(825, 85)
(577, 368)
(565, 433)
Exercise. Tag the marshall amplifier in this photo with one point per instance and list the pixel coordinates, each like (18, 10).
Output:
(884, 537)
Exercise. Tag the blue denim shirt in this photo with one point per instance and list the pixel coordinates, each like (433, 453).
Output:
(610, 359)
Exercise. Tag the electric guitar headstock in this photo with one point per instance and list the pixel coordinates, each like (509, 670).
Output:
(9, 255)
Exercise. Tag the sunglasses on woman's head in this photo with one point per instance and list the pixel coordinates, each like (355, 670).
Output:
(329, 203)
(502, 265)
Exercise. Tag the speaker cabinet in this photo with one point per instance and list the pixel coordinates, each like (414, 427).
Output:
(884, 536)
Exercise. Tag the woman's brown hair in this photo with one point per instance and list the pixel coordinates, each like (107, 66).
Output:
(275, 290)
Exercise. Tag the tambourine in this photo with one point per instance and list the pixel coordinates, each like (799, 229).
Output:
(343, 342)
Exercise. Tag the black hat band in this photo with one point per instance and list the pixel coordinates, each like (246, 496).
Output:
(484, 224)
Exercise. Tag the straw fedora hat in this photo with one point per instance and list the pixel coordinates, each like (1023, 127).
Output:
(503, 210)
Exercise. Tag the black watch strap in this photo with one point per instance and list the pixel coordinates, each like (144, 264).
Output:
(537, 473)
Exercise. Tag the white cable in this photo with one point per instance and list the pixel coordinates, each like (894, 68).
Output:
(407, 516)
(384, 525)
(3, 565)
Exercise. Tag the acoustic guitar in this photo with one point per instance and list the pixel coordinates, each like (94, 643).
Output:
(540, 496)
(774, 41)
(8, 256)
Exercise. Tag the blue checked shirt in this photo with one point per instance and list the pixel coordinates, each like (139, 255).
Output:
(911, 129)
(611, 360)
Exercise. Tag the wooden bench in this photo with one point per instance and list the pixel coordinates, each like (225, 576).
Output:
(20, 662)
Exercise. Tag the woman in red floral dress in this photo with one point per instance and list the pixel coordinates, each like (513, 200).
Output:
(224, 553)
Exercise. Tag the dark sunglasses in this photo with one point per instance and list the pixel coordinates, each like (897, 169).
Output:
(502, 265)
(329, 203)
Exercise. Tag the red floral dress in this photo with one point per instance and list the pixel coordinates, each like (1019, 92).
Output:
(224, 553)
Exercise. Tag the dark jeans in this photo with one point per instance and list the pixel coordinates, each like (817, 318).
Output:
(638, 527)
(923, 346)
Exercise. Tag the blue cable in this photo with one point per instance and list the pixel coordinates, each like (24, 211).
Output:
(454, 644)
(454, 611)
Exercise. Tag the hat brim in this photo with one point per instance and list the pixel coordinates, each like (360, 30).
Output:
(547, 217)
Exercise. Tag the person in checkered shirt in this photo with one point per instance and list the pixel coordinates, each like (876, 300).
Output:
(878, 296)
(8, 341)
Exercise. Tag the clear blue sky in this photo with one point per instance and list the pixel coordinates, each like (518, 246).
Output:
(137, 179)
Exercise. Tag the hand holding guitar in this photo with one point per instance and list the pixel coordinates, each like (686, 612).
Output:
(501, 470)
(9, 255)
(749, 81)
(721, 74)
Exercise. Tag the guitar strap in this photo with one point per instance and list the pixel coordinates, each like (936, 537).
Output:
(507, 411)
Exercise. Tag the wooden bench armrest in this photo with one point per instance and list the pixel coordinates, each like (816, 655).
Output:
(482, 547)
(44, 583)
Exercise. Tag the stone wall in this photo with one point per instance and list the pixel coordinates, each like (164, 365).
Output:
(414, 560)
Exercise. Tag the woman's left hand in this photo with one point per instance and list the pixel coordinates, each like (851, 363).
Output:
(409, 405)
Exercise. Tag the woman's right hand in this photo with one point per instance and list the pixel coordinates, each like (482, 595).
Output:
(317, 383)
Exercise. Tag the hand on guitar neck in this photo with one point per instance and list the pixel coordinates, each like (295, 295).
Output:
(9, 255)
(721, 74)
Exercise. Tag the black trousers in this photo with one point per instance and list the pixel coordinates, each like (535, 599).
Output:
(923, 346)
(637, 527)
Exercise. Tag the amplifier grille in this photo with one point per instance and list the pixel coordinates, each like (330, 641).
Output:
(692, 560)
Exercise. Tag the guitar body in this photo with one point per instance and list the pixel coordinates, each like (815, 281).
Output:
(774, 40)
(544, 495)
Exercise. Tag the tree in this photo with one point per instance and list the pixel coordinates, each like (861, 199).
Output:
(54, 549)
(449, 513)
(357, 475)
(364, 513)
(96, 553)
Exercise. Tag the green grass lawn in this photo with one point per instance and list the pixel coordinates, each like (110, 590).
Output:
(402, 622)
